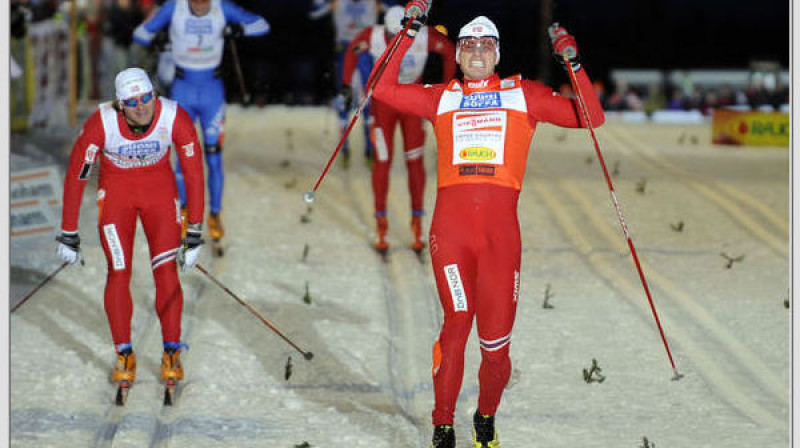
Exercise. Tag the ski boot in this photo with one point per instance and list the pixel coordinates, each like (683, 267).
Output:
(184, 221)
(171, 371)
(216, 232)
(416, 230)
(381, 246)
(484, 434)
(124, 373)
(443, 437)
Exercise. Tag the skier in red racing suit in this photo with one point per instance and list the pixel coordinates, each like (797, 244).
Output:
(131, 139)
(483, 126)
(373, 39)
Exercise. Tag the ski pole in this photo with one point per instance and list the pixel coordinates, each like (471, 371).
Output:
(309, 196)
(306, 355)
(238, 68)
(582, 104)
(42, 283)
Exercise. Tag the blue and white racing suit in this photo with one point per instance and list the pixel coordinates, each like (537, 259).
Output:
(197, 46)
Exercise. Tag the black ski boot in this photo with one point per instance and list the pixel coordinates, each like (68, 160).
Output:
(443, 437)
(484, 434)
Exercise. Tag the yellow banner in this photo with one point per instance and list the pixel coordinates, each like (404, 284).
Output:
(730, 127)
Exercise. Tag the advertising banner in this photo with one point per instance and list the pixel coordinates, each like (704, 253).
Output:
(730, 127)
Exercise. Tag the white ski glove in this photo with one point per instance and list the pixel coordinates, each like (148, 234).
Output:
(190, 247)
(69, 247)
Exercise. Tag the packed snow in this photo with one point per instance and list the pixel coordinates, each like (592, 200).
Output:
(692, 210)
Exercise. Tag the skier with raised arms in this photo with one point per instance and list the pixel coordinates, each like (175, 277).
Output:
(483, 126)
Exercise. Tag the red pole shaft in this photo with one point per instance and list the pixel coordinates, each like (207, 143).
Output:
(574, 80)
(378, 73)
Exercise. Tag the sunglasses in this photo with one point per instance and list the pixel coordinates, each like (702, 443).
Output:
(472, 43)
(133, 102)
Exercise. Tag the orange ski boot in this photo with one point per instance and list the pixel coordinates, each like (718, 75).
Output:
(416, 230)
(216, 232)
(381, 245)
(124, 374)
(171, 367)
(184, 221)
(125, 367)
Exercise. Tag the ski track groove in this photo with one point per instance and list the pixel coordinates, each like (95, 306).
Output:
(115, 415)
(734, 385)
(399, 273)
(726, 197)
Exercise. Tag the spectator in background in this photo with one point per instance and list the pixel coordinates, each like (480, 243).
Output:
(284, 67)
(654, 100)
(19, 18)
(123, 17)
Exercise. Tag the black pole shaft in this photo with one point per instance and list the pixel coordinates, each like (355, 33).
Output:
(306, 355)
(39, 286)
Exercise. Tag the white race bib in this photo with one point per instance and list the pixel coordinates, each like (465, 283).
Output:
(479, 137)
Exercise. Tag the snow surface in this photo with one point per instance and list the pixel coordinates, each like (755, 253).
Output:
(371, 325)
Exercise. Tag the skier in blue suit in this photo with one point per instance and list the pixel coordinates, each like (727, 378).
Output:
(197, 30)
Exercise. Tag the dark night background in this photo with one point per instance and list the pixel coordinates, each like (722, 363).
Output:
(660, 34)
(618, 34)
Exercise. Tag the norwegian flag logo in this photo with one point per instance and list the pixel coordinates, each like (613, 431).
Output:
(135, 88)
(478, 29)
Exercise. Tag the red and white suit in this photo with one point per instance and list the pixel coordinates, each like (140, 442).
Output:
(136, 180)
(375, 39)
(483, 131)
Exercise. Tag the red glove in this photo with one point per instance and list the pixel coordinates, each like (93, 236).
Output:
(564, 45)
(417, 13)
(417, 8)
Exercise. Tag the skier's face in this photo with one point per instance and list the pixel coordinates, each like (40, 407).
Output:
(477, 57)
(200, 7)
(139, 110)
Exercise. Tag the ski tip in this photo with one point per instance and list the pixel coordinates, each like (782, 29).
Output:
(383, 252)
(217, 248)
(122, 393)
(169, 392)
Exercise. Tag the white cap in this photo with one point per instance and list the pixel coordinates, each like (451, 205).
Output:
(392, 19)
(480, 26)
(132, 82)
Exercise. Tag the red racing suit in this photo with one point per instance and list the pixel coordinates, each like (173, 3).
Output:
(136, 180)
(374, 39)
(483, 130)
